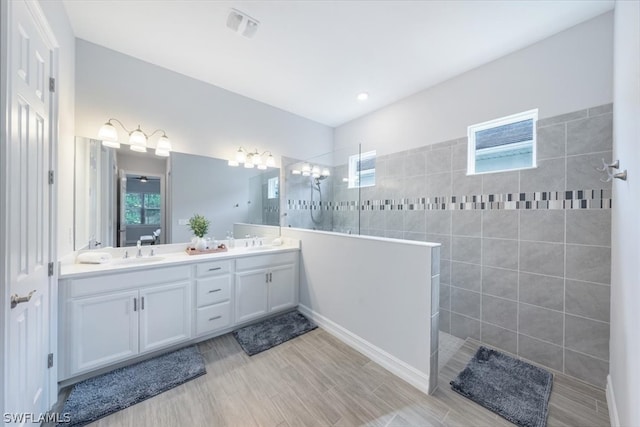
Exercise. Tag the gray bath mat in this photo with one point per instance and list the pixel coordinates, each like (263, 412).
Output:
(116, 390)
(513, 389)
(271, 332)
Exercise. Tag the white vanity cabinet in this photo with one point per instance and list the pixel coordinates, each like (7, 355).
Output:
(214, 286)
(113, 317)
(265, 284)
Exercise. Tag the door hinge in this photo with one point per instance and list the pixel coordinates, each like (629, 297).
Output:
(50, 360)
(52, 84)
(51, 177)
(51, 269)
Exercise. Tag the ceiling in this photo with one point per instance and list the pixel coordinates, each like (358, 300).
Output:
(312, 58)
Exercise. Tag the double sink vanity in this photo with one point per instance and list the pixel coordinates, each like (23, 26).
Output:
(129, 308)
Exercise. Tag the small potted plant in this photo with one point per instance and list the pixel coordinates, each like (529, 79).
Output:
(199, 226)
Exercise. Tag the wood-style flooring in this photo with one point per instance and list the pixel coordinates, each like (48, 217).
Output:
(316, 380)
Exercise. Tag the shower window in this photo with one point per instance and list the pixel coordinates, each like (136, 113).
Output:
(503, 144)
(362, 170)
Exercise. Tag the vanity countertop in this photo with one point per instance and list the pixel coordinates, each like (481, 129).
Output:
(165, 255)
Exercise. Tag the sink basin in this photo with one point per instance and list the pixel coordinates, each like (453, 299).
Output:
(134, 260)
(259, 248)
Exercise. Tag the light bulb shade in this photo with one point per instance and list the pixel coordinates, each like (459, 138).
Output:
(306, 168)
(241, 156)
(262, 166)
(326, 172)
(306, 173)
(110, 144)
(256, 159)
(248, 165)
(296, 172)
(271, 161)
(233, 163)
(138, 141)
(315, 171)
(162, 153)
(163, 144)
(108, 132)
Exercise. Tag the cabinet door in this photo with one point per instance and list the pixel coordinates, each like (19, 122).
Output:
(251, 294)
(282, 287)
(165, 315)
(104, 330)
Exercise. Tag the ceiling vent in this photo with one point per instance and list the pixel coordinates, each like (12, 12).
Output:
(242, 23)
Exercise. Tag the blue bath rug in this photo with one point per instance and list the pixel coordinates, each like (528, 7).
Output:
(513, 389)
(269, 333)
(100, 396)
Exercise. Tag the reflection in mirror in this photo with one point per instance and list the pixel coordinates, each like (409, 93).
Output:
(114, 207)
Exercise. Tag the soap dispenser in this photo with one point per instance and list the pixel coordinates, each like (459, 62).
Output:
(230, 240)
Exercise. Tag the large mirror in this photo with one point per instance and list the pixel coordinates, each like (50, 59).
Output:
(121, 196)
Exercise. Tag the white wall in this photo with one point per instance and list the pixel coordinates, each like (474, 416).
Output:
(199, 118)
(624, 386)
(376, 290)
(65, 88)
(566, 72)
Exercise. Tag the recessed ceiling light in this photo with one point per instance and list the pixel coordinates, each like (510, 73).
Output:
(363, 96)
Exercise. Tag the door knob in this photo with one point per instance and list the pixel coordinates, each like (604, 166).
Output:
(16, 299)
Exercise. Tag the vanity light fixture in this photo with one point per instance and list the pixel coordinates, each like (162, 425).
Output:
(137, 138)
(314, 171)
(253, 159)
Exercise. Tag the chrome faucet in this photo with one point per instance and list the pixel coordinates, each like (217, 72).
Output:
(152, 253)
(126, 255)
(139, 246)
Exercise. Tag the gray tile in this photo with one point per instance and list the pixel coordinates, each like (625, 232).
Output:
(590, 135)
(435, 261)
(540, 352)
(548, 121)
(465, 302)
(466, 249)
(464, 327)
(586, 368)
(499, 312)
(415, 186)
(418, 237)
(500, 223)
(588, 300)
(395, 164)
(500, 253)
(542, 258)
(438, 221)
(433, 367)
(415, 221)
(439, 160)
(542, 225)
(466, 223)
(466, 185)
(445, 300)
(540, 323)
(459, 157)
(581, 173)
(500, 338)
(445, 321)
(501, 182)
(394, 234)
(587, 336)
(589, 263)
(548, 176)
(467, 276)
(394, 220)
(444, 240)
(445, 270)
(550, 141)
(435, 328)
(415, 164)
(543, 291)
(438, 184)
(589, 226)
(601, 109)
(444, 144)
(500, 282)
(376, 220)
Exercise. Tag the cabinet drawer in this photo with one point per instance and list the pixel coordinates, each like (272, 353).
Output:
(213, 290)
(213, 267)
(116, 281)
(262, 261)
(212, 318)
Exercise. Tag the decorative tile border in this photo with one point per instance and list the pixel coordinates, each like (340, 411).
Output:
(574, 199)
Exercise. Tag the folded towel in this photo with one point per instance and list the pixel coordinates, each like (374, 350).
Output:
(93, 257)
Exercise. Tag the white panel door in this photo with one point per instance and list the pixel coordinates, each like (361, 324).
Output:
(282, 287)
(28, 223)
(165, 315)
(252, 288)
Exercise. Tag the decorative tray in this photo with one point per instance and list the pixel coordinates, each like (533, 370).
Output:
(194, 251)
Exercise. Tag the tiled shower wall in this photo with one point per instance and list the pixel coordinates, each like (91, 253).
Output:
(525, 254)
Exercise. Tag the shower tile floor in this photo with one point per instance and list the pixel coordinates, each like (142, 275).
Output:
(448, 346)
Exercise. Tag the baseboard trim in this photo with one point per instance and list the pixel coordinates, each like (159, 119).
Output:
(416, 378)
(611, 403)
